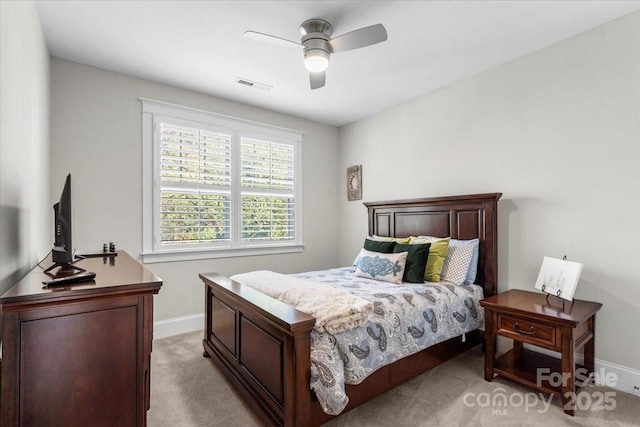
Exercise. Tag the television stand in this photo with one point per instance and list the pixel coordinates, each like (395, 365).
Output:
(79, 355)
(63, 266)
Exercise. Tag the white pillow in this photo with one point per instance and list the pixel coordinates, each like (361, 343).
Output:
(473, 266)
(456, 263)
(379, 266)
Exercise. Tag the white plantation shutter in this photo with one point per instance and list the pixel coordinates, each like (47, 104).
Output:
(216, 186)
(195, 191)
(267, 173)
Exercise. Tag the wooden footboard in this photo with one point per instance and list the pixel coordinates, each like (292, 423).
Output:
(262, 346)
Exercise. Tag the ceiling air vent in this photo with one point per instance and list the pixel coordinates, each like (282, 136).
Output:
(251, 83)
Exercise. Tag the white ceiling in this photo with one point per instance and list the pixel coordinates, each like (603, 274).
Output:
(199, 45)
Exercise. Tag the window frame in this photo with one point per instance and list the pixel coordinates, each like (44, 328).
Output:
(155, 111)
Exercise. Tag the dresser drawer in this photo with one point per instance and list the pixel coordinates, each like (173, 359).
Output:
(526, 330)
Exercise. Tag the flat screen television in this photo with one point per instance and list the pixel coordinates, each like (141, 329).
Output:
(62, 253)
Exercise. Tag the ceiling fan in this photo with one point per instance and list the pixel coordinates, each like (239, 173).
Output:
(318, 44)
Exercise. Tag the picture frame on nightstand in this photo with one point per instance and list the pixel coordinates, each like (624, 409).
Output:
(559, 277)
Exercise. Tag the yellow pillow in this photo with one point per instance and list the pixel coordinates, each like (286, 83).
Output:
(437, 253)
(398, 240)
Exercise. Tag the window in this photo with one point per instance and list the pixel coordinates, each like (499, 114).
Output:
(215, 186)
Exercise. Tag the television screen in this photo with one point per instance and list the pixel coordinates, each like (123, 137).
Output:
(62, 253)
(63, 248)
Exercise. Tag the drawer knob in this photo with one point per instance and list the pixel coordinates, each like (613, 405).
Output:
(531, 331)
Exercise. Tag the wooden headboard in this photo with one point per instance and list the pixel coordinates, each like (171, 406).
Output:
(460, 217)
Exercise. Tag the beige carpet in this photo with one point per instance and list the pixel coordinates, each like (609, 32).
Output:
(188, 390)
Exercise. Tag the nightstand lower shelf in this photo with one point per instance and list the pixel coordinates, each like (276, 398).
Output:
(526, 370)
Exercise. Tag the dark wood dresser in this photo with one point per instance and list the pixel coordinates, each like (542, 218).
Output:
(79, 355)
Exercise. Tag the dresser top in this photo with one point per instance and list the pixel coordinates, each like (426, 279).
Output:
(537, 305)
(114, 274)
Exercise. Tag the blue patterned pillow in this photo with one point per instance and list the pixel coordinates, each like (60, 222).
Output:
(379, 266)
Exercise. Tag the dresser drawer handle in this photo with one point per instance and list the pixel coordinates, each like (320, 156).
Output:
(531, 331)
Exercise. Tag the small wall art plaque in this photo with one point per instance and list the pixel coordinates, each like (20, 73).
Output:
(354, 182)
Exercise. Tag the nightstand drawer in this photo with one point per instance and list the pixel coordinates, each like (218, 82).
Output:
(525, 330)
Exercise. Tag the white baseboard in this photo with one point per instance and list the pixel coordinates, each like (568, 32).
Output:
(178, 325)
(626, 379)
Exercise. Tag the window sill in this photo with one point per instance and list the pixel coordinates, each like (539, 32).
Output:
(196, 254)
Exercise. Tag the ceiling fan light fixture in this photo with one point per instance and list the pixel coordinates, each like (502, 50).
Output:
(319, 45)
(316, 60)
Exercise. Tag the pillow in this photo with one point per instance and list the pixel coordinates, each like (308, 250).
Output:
(385, 247)
(437, 253)
(473, 266)
(456, 263)
(401, 240)
(416, 261)
(379, 266)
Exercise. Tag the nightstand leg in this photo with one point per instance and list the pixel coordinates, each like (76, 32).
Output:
(590, 350)
(517, 349)
(568, 372)
(489, 345)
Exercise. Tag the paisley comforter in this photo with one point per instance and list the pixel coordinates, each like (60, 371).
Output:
(406, 318)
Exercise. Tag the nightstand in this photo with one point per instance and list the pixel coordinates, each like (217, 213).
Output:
(551, 323)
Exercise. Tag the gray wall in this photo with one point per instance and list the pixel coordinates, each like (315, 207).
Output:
(558, 133)
(25, 205)
(96, 136)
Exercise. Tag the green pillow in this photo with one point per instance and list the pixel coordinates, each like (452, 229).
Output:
(379, 246)
(416, 261)
(437, 253)
(402, 240)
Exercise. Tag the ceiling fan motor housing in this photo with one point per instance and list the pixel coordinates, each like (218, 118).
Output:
(316, 34)
(316, 26)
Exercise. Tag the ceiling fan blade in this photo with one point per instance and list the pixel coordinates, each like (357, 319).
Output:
(271, 39)
(317, 79)
(359, 38)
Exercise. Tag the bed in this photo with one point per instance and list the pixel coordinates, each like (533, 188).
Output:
(263, 346)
